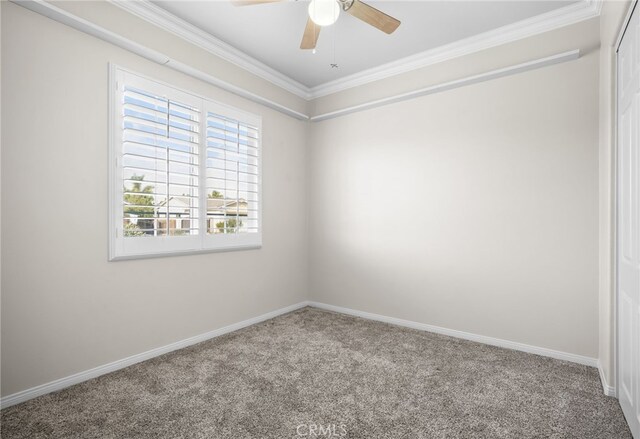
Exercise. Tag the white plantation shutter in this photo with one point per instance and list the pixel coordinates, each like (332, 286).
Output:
(232, 175)
(159, 158)
(186, 175)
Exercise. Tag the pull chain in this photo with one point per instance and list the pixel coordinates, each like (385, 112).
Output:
(334, 64)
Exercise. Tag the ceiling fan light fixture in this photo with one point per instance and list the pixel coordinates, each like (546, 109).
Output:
(324, 12)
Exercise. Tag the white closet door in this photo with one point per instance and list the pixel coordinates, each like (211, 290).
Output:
(629, 224)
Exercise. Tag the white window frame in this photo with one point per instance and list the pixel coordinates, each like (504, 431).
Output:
(148, 247)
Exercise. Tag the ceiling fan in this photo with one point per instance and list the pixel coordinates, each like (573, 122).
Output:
(326, 12)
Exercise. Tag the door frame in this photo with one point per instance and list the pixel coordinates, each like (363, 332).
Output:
(616, 204)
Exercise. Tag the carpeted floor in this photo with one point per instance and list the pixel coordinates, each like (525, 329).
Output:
(316, 374)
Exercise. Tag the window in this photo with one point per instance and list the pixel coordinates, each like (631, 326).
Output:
(185, 172)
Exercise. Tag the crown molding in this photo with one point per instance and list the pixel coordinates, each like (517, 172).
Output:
(450, 85)
(565, 16)
(51, 11)
(196, 36)
(555, 19)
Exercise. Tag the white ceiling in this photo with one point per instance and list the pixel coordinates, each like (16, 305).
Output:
(272, 32)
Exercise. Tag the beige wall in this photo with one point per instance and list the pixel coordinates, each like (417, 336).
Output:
(65, 309)
(613, 13)
(474, 209)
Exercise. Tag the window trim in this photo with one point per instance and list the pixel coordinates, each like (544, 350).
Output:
(205, 243)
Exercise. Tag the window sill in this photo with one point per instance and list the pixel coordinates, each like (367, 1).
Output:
(185, 253)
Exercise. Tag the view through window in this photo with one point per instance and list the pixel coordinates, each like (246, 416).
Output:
(187, 172)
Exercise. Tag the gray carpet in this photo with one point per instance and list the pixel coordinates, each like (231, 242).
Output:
(313, 374)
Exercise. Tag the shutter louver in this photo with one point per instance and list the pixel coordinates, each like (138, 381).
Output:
(232, 176)
(184, 172)
(160, 168)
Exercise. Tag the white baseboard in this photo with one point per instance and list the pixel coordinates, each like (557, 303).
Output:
(60, 384)
(77, 378)
(608, 390)
(559, 355)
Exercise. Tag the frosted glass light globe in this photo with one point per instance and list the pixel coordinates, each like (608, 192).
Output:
(324, 12)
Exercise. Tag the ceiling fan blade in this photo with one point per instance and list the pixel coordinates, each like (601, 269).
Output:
(252, 2)
(374, 17)
(310, 36)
